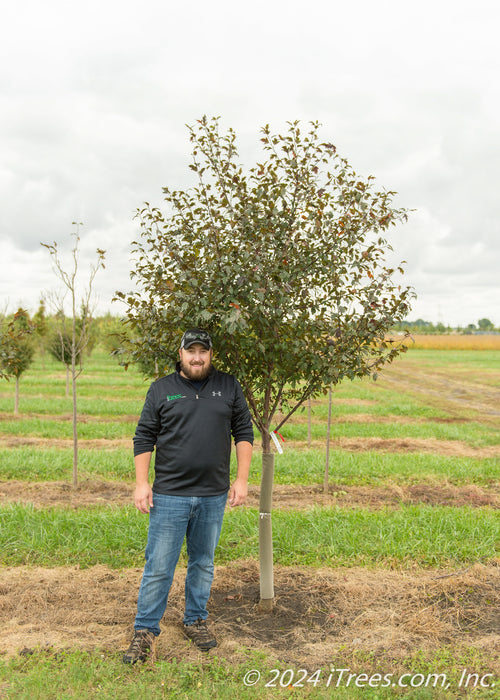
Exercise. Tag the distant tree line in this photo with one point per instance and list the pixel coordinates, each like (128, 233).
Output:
(22, 337)
(483, 325)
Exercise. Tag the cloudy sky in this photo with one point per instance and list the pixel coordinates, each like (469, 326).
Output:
(94, 98)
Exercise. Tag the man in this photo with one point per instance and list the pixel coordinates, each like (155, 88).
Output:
(189, 416)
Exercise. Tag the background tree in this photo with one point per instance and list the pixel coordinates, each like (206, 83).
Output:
(59, 345)
(284, 265)
(108, 330)
(484, 324)
(41, 324)
(16, 349)
(59, 342)
(74, 332)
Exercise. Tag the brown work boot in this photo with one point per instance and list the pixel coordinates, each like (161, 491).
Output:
(141, 647)
(200, 635)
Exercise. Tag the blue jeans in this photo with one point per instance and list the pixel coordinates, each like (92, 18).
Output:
(199, 519)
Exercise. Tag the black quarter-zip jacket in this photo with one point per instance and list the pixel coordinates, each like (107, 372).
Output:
(191, 429)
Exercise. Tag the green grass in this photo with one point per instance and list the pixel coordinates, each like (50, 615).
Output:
(52, 464)
(473, 434)
(105, 407)
(423, 535)
(419, 534)
(384, 405)
(293, 467)
(63, 429)
(102, 377)
(107, 394)
(460, 360)
(51, 675)
(409, 536)
(362, 468)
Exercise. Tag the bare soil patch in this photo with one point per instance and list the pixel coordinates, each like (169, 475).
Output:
(67, 443)
(316, 612)
(68, 417)
(454, 448)
(62, 494)
(92, 493)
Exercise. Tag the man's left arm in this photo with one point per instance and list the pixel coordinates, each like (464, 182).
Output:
(239, 490)
(241, 428)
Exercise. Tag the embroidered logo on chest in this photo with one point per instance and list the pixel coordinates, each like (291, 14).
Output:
(175, 396)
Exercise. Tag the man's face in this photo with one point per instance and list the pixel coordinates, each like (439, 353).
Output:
(195, 361)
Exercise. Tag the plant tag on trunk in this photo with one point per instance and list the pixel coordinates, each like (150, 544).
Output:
(275, 440)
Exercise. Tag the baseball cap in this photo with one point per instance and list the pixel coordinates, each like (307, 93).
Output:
(196, 335)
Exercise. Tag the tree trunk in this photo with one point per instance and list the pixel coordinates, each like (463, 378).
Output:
(309, 402)
(75, 412)
(16, 397)
(328, 430)
(265, 529)
(75, 436)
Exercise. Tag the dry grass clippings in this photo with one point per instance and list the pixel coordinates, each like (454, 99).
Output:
(316, 612)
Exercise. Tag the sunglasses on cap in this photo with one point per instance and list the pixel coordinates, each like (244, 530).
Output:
(195, 335)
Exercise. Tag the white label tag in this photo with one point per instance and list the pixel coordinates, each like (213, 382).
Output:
(275, 440)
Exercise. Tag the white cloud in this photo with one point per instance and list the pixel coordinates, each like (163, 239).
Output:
(94, 99)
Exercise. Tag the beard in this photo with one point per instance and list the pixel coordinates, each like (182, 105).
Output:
(198, 373)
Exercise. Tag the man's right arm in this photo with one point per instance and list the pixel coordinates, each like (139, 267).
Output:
(144, 443)
(143, 491)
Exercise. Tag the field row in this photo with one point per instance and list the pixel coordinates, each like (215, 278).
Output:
(294, 467)
(395, 569)
(473, 434)
(320, 536)
(453, 341)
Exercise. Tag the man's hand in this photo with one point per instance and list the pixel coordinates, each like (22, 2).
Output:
(143, 497)
(238, 492)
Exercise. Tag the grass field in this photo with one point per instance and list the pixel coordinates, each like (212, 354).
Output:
(455, 342)
(393, 573)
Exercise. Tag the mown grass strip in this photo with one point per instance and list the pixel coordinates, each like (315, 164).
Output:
(51, 464)
(432, 675)
(374, 467)
(118, 402)
(56, 406)
(63, 429)
(473, 434)
(437, 674)
(428, 536)
(334, 537)
(383, 403)
(294, 467)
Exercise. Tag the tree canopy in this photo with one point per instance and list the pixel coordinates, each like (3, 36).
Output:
(285, 265)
